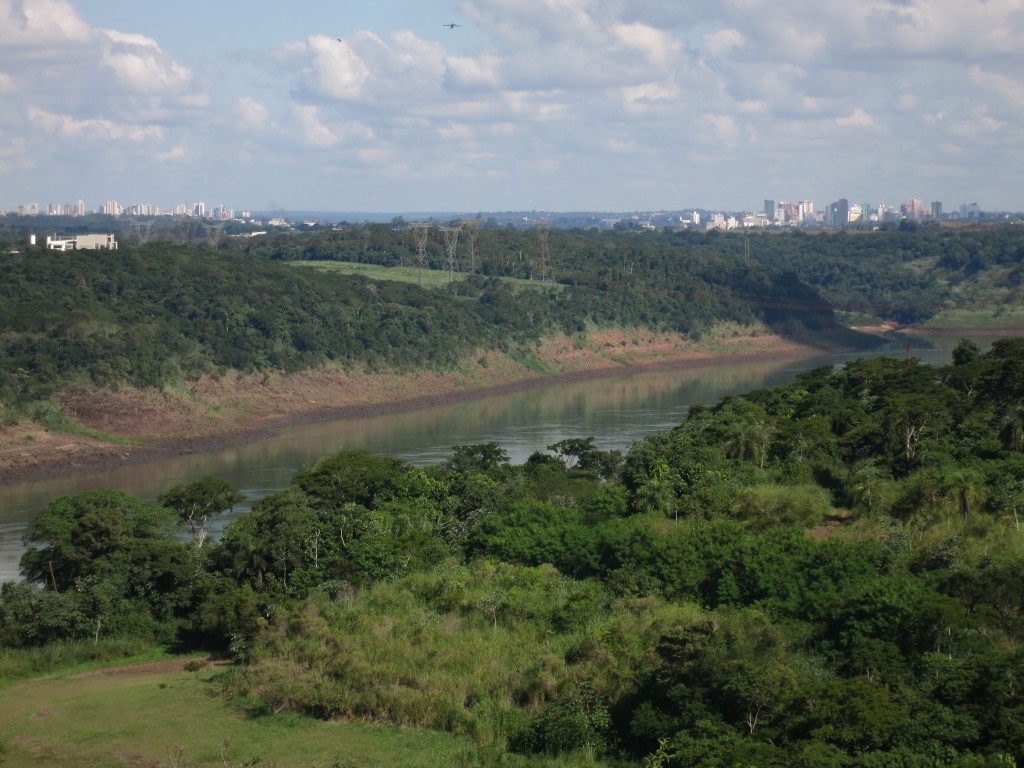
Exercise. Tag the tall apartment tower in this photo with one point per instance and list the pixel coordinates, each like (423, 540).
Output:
(839, 213)
(936, 210)
(769, 210)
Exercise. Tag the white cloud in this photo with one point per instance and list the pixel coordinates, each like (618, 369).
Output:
(365, 67)
(253, 115)
(334, 70)
(474, 72)
(1009, 92)
(138, 63)
(100, 129)
(35, 23)
(172, 155)
(724, 127)
(724, 40)
(856, 119)
(575, 85)
(652, 44)
(314, 133)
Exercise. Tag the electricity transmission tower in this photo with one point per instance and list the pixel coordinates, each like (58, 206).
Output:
(145, 231)
(420, 233)
(212, 233)
(472, 227)
(543, 228)
(451, 241)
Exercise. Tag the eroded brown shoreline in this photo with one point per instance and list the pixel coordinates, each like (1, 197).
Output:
(254, 414)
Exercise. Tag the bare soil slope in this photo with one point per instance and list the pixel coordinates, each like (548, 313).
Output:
(234, 408)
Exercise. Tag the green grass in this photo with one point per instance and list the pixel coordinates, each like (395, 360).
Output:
(1001, 318)
(53, 416)
(428, 278)
(133, 717)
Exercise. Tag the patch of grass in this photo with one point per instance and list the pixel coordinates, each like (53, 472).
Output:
(428, 278)
(532, 362)
(1000, 318)
(149, 718)
(52, 416)
(73, 656)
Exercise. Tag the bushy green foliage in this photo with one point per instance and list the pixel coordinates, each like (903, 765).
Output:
(823, 573)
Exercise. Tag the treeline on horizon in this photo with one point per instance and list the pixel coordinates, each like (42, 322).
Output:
(157, 314)
(823, 573)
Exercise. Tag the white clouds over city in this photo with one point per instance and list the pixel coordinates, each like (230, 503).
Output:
(552, 104)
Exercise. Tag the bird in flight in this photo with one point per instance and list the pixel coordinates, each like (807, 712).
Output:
(451, 25)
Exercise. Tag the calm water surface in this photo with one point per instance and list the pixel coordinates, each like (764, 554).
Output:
(615, 411)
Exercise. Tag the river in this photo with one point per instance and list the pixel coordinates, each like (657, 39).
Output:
(615, 411)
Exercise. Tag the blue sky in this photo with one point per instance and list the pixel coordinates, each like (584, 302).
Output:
(557, 105)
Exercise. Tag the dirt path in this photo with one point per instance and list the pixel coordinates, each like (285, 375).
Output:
(218, 411)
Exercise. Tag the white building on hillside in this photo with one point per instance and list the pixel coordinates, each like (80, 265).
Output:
(81, 242)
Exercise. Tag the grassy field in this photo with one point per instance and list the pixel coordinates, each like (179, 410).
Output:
(991, 318)
(428, 278)
(157, 714)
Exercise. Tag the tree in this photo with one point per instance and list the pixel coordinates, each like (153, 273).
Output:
(78, 536)
(659, 492)
(1011, 428)
(351, 476)
(119, 556)
(581, 454)
(198, 501)
(485, 458)
(276, 539)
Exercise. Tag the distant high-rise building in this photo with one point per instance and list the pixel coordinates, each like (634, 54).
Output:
(914, 210)
(936, 210)
(200, 210)
(838, 214)
(769, 210)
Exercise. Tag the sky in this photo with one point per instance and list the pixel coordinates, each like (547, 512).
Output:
(547, 105)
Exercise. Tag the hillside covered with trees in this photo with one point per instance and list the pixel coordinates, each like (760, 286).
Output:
(157, 314)
(824, 573)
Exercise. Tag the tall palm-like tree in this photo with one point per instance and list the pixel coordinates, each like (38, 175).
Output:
(1011, 428)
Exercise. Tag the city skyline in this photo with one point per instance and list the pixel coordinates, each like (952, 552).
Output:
(562, 105)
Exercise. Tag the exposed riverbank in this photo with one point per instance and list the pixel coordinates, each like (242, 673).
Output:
(234, 409)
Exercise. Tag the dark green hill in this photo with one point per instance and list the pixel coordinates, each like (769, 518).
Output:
(155, 314)
(910, 275)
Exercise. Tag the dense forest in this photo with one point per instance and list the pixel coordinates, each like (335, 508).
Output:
(824, 573)
(163, 312)
(157, 314)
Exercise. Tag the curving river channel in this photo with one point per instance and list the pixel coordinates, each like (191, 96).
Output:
(615, 411)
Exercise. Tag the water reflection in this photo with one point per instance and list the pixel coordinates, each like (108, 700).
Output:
(615, 411)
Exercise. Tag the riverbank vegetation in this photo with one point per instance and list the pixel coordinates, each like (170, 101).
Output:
(162, 314)
(821, 573)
